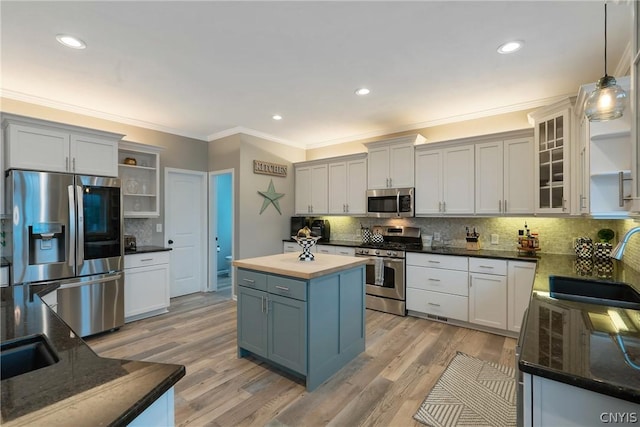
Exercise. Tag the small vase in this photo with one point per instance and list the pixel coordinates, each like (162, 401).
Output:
(584, 247)
(602, 250)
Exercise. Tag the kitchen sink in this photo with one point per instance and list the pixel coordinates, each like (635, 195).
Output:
(613, 294)
(25, 355)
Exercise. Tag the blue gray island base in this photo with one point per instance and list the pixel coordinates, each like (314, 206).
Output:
(309, 328)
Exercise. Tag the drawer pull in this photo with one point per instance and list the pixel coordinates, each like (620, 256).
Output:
(434, 262)
(433, 304)
(485, 266)
(248, 280)
(282, 288)
(434, 280)
(146, 260)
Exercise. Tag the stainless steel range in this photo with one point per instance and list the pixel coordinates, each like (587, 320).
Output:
(385, 281)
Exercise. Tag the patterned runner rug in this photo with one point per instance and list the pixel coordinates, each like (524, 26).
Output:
(471, 392)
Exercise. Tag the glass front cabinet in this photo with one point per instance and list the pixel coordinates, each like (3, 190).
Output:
(139, 172)
(552, 157)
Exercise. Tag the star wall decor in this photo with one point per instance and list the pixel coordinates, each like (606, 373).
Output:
(270, 198)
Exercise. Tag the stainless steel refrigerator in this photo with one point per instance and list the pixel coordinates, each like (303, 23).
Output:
(67, 229)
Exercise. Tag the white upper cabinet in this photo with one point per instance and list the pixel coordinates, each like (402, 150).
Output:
(41, 145)
(347, 186)
(140, 181)
(552, 127)
(391, 162)
(311, 189)
(604, 161)
(504, 177)
(445, 180)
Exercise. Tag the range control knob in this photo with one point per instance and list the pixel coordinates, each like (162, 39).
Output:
(377, 252)
(388, 253)
(394, 253)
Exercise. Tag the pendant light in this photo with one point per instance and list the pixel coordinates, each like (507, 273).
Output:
(606, 102)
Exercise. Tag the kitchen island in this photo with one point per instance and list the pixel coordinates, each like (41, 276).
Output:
(304, 317)
(79, 387)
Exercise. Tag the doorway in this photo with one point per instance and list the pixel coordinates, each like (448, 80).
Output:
(185, 210)
(221, 229)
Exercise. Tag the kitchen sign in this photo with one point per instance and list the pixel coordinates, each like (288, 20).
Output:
(267, 168)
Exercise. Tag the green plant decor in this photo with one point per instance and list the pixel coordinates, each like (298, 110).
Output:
(606, 235)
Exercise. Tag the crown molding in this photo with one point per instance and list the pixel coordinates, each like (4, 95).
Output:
(444, 121)
(252, 132)
(43, 102)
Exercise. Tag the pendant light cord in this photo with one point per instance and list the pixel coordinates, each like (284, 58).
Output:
(605, 38)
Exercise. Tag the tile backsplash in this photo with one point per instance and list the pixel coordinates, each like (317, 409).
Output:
(556, 234)
(142, 228)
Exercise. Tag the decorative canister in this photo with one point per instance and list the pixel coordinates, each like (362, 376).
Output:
(604, 268)
(602, 250)
(377, 238)
(584, 266)
(366, 235)
(584, 247)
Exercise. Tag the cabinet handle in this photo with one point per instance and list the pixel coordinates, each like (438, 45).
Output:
(439, 206)
(390, 182)
(621, 180)
(74, 164)
(564, 204)
(347, 205)
(433, 304)
(434, 280)
(485, 266)
(146, 260)
(66, 163)
(505, 205)
(444, 206)
(262, 304)
(434, 262)
(282, 288)
(266, 305)
(248, 280)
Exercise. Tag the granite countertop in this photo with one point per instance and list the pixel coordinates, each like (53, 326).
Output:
(288, 264)
(577, 343)
(81, 388)
(146, 249)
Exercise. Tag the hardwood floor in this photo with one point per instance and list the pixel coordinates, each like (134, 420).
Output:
(384, 386)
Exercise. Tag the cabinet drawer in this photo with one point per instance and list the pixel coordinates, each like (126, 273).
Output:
(252, 279)
(325, 249)
(290, 247)
(445, 305)
(344, 251)
(488, 266)
(287, 287)
(449, 262)
(147, 258)
(438, 279)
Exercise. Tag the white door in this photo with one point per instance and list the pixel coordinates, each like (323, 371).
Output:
(185, 210)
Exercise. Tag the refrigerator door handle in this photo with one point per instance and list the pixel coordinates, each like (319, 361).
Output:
(104, 279)
(80, 251)
(72, 226)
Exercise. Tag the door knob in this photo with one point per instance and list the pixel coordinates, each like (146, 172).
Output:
(170, 242)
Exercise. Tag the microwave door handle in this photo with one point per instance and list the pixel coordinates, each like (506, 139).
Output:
(72, 226)
(398, 202)
(80, 252)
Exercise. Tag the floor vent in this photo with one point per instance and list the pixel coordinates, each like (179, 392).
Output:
(434, 317)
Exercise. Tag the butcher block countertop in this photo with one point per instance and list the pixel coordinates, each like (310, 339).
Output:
(288, 264)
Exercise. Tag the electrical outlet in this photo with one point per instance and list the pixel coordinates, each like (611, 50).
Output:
(159, 228)
(436, 236)
(495, 239)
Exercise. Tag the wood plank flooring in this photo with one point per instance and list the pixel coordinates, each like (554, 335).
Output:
(384, 386)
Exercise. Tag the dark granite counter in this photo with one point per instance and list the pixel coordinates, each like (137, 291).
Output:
(81, 388)
(146, 249)
(578, 343)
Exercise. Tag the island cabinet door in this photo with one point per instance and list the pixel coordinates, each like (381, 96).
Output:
(252, 320)
(288, 332)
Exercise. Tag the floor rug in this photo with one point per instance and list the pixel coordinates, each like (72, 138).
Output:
(471, 392)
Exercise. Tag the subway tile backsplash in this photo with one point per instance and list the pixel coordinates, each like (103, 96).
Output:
(556, 234)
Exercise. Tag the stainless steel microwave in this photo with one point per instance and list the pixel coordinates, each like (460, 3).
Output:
(390, 203)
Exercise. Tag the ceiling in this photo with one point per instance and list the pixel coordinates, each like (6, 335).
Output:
(210, 68)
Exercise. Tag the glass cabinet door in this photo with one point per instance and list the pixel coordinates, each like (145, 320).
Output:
(552, 153)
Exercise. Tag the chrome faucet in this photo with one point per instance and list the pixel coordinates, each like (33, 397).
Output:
(619, 249)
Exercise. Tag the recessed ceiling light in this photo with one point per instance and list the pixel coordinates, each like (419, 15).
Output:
(510, 47)
(70, 41)
(276, 117)
(362, 91)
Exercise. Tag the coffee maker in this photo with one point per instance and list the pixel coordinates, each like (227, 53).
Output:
(320, 227)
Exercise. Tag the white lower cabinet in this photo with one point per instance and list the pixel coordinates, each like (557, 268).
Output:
(290, 247)
(146, 285)
(483, 291)
(520, 277)
(437, 285)
(552, 403)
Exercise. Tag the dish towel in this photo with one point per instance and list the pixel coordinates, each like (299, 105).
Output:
(379, 271)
